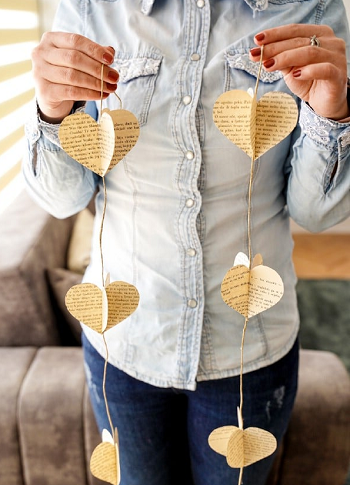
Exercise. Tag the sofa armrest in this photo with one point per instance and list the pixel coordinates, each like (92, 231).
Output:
(316, 447)
(31, 242)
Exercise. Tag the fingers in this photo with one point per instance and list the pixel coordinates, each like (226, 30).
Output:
(67, 67)
(315, 73)
(288, 49)
(290, 46)
(76, 42)
(292, 31)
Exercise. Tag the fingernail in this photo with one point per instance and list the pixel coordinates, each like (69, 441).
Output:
(112, 87)
(110, 47)
(269, 63)
(256, 51)
(113, 76)
(107, 58)
(297, 73)
(260, 37)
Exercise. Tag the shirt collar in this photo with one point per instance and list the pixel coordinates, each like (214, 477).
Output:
(146, 5)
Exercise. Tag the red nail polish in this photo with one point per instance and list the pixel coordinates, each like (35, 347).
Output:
(297, 73)
(269, 63)
(107, 58)
(112, 87)
(256, 51)
(260, 37)
(113, 76)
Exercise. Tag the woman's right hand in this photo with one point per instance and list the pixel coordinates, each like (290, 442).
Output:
(67, 68)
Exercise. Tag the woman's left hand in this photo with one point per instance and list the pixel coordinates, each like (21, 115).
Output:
(315, 73)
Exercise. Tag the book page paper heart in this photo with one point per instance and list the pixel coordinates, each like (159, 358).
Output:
(255, 126)
(104, 462)
(126, 130)
(242, 447)
(88, 142)
(87, 303)
(250, 292)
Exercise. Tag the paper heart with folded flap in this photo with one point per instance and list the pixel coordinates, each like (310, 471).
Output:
(242, 447)
(102, 309)
(255, 126)
(104, 462)
(99, 146)
(250, 292)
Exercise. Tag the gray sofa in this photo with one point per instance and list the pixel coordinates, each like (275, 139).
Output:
(47, 429)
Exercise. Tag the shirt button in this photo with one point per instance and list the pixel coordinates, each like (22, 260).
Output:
(192, 303)
(195, 57)
(186, 100)
(189, 203)
(189, 155)
(200, 3)
(191, 252)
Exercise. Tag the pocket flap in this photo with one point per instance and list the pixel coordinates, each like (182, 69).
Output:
(242, 61)
(135, 67)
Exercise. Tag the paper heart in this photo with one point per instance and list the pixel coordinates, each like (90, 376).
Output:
(104, 463)
(126, 130)
(250, 292)
(102, 309)
(255, 126)
(242, 447)
(88, 142)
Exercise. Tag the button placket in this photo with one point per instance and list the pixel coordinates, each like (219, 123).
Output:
(196, 40)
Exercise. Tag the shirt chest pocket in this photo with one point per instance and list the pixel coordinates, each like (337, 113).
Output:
(241, 73)
(137, 80)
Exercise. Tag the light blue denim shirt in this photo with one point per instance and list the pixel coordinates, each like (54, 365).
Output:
(177, 203)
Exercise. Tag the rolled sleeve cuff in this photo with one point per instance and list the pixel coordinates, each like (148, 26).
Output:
(324, 132)
(36, 129)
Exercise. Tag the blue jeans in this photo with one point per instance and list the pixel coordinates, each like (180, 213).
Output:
(164, 433)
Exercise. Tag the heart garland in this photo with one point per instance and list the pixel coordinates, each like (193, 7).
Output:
(249, 287)
(100, 147)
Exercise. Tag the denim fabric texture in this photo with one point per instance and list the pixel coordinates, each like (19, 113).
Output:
(178, 202)
(163, 433)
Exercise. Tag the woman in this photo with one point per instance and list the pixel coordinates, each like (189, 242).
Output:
(177, 208)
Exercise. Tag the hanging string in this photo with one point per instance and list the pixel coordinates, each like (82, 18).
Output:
(250, 189)
(101, 227)
(249, 234)
(103, 279)
(104, 387)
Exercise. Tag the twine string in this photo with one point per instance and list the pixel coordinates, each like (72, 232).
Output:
(249, 235)
(120, 101)
(104, 388)
(103, 281)
(101, 227)
(101, 98)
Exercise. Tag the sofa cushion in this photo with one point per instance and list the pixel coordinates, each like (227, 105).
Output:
(60, 280)
(50, 418)
(31, 242)
(14, 364)
(79, 247)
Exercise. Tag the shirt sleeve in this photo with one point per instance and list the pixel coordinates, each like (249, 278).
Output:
(319, 182)
(318, 195)
(56, 182)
